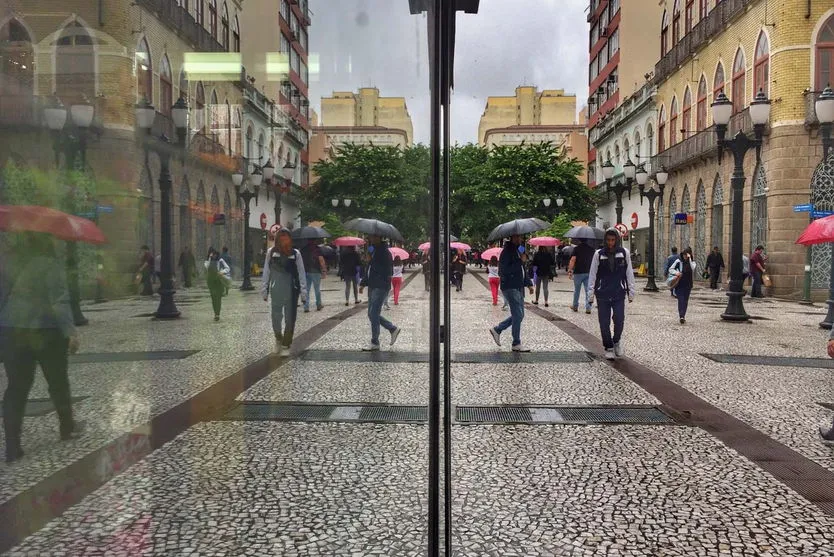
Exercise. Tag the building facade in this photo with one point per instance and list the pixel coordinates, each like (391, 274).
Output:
(740, 47)
(366, 109)
(528, 107)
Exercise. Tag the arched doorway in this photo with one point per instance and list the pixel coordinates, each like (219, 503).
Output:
(701, 227)
(686, 241)
(822, 197)
(718, 213)
(17, 74)
(200, 208)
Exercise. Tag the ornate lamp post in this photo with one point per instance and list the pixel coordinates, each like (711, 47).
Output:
(629, 170)
(145, 115)
(722, 111)
(246, 194)
(825, 114)
(547, 202)
(651, 194)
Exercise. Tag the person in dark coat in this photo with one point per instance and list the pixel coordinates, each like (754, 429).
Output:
(513, 281)
(715, 262)
(543, 271)
(349, 269)
(378, 281)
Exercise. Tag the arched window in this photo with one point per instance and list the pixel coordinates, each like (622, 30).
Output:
(200, 108)
(718, 81)
(718, 212)
(758, 218)
(617, 161)
(144, 71)
(701, 111)
(638, 151)
(825, 55)
(676, 22)
(17, 73)
(224, 27)
(75, 64)
(626, 149)
(702, 9)
(739, 89)
(685, 242)
(250, 147)
(261, 142)
(701, 227)
(198, 12)
(166, 87)
(664, 34)
(213, 18)
(761, 65)
(661, 129)
(686, 123)
(650, 140)
(673, 123)
(236, 35)
(183, 86)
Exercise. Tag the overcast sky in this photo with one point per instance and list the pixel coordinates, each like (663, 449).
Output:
(508, 43)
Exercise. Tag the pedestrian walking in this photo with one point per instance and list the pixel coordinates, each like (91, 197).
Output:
(715, 262)
(188, 266)
(684, 271)
(543, 270)
(378, 281)
(284, 280)
(612, 280)
(559, 251)
(458, 269)
(217, 273)
(397, 279)
(579, 269)
(349, 265)
(145, 270)
(38, 328)
(494, 279)
(669, 260)
(827, 435)
(757, 268)
(316, 271)
(513, 280)
(427, 272)
(225, 256)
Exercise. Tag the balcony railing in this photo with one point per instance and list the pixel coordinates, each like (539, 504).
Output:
(703, 144)
(180, 21)
(706, 29)
(623, 112)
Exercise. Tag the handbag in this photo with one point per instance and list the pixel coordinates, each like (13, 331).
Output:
(674, 278)
(766, 281)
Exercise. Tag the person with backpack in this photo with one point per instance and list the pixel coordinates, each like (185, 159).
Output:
(612, 281)
(668, 264)
(683, 271)
(216, 272)
(285, 281)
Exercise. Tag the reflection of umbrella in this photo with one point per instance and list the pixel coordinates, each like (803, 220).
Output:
(310, 233)
(32, 218)
(399, 252)
(544, 241)
(460, 245)
(375, 228)
(490, 253)
(585, 233)
(820, 231)
(348, 241)
(517, 227)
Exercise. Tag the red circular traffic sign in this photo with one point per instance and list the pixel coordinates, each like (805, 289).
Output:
(623, 230)
(263, 221)
(634, 221)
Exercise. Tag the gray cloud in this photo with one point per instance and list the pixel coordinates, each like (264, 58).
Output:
(508, 43)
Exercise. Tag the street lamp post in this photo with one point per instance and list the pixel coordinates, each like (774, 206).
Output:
(651, 194)
(547, 202)
(145, 115)
(629, 170)
(722, 111)
(247, 195)
(825, 114)
(72, 142)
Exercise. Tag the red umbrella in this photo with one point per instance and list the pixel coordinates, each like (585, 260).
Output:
(821, 231)
(544, 241)
(490, 253)
(399, 252)
(348, 241)
(33, 218)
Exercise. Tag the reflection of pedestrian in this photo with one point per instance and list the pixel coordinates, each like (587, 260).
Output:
(316, 271)
(145, 270)
(37, 328)
(216, 280)
(715, 262)
(378, 281)
(612, 280)
(543, 263)
(427, 272)
(513, 281)
(187, 265)
(285, 280)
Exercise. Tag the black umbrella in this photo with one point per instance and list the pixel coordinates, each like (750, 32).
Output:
(517, 227)
(327, 250)
(309, 233)
(585, 233)
(374, 228)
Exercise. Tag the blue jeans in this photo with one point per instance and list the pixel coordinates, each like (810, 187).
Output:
(376, 298)
(757, 285)
(580, 280)
(606, 309)
(515, 299)
(313, 283)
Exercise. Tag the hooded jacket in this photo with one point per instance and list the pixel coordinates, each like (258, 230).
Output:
(612, 276)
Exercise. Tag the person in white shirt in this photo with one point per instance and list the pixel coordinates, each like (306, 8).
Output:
(397, 279)
(494, 279)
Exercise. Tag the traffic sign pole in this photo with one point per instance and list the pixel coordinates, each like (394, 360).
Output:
(806, 283)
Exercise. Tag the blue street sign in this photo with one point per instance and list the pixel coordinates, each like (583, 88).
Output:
(681, 218)
(87, 215)
(104, 208)
(805, 208)
(821, 214)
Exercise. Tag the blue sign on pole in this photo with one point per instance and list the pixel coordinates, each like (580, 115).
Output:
(104, 208)
(821, 214)
(805, 208)
(87, 215)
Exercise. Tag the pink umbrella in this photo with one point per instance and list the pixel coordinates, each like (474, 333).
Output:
(348, 241)
(425, 246)
(490, 253)
(544, 241)
(821, 231)
(399, 252)
(460, 245)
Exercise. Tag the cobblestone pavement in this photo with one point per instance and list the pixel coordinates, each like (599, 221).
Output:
(275, 488)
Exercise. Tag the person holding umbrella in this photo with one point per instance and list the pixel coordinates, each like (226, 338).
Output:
(513, 280)
(579, 269)
(349, 263)
(378, 281)
(612, 280)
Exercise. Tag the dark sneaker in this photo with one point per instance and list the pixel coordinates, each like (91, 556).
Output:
(827, 436)
(574, 309)
(74, 433)
(683, 321)
(496, 336)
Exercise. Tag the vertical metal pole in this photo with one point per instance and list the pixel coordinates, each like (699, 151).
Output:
(167, 308)
(735, 303)
(650, 285)
(825, 128)
(618, 191)
(247, 256)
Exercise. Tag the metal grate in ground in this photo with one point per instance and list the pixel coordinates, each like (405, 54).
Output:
(614, 415)
(42, 406)
(102, 357)
(395, 414)
(782, 361)
(493, 414)
(521, 357)
(262, 412)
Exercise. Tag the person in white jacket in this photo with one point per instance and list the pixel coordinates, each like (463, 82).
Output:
(285, 280)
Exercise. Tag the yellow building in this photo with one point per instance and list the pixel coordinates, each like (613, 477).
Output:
(528, 107)
(366, 109)
(739, 47)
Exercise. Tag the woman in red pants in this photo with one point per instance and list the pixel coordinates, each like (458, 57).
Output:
(494, 279)
(397, 279)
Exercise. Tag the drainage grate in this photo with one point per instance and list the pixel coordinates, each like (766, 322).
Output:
(493, 414)
(101, 357)
(396, 414)
(563, 415)
(521, 357)
(280, 412)
(614, 415)
(827, 405)
(387, 356)
(43, 406)
(770, 360)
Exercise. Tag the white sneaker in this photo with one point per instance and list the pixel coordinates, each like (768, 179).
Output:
(496, 336)
(610, 355)
(371, 348)
(619, 351)
(277, 346)
(394, 335)
(520, 348)
(285, 351)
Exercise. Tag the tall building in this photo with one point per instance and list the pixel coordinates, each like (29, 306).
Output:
(528, 107)
(740, 47)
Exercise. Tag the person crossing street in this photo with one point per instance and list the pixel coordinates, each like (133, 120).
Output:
(513, 281)
(378, 281)
(612, 281)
